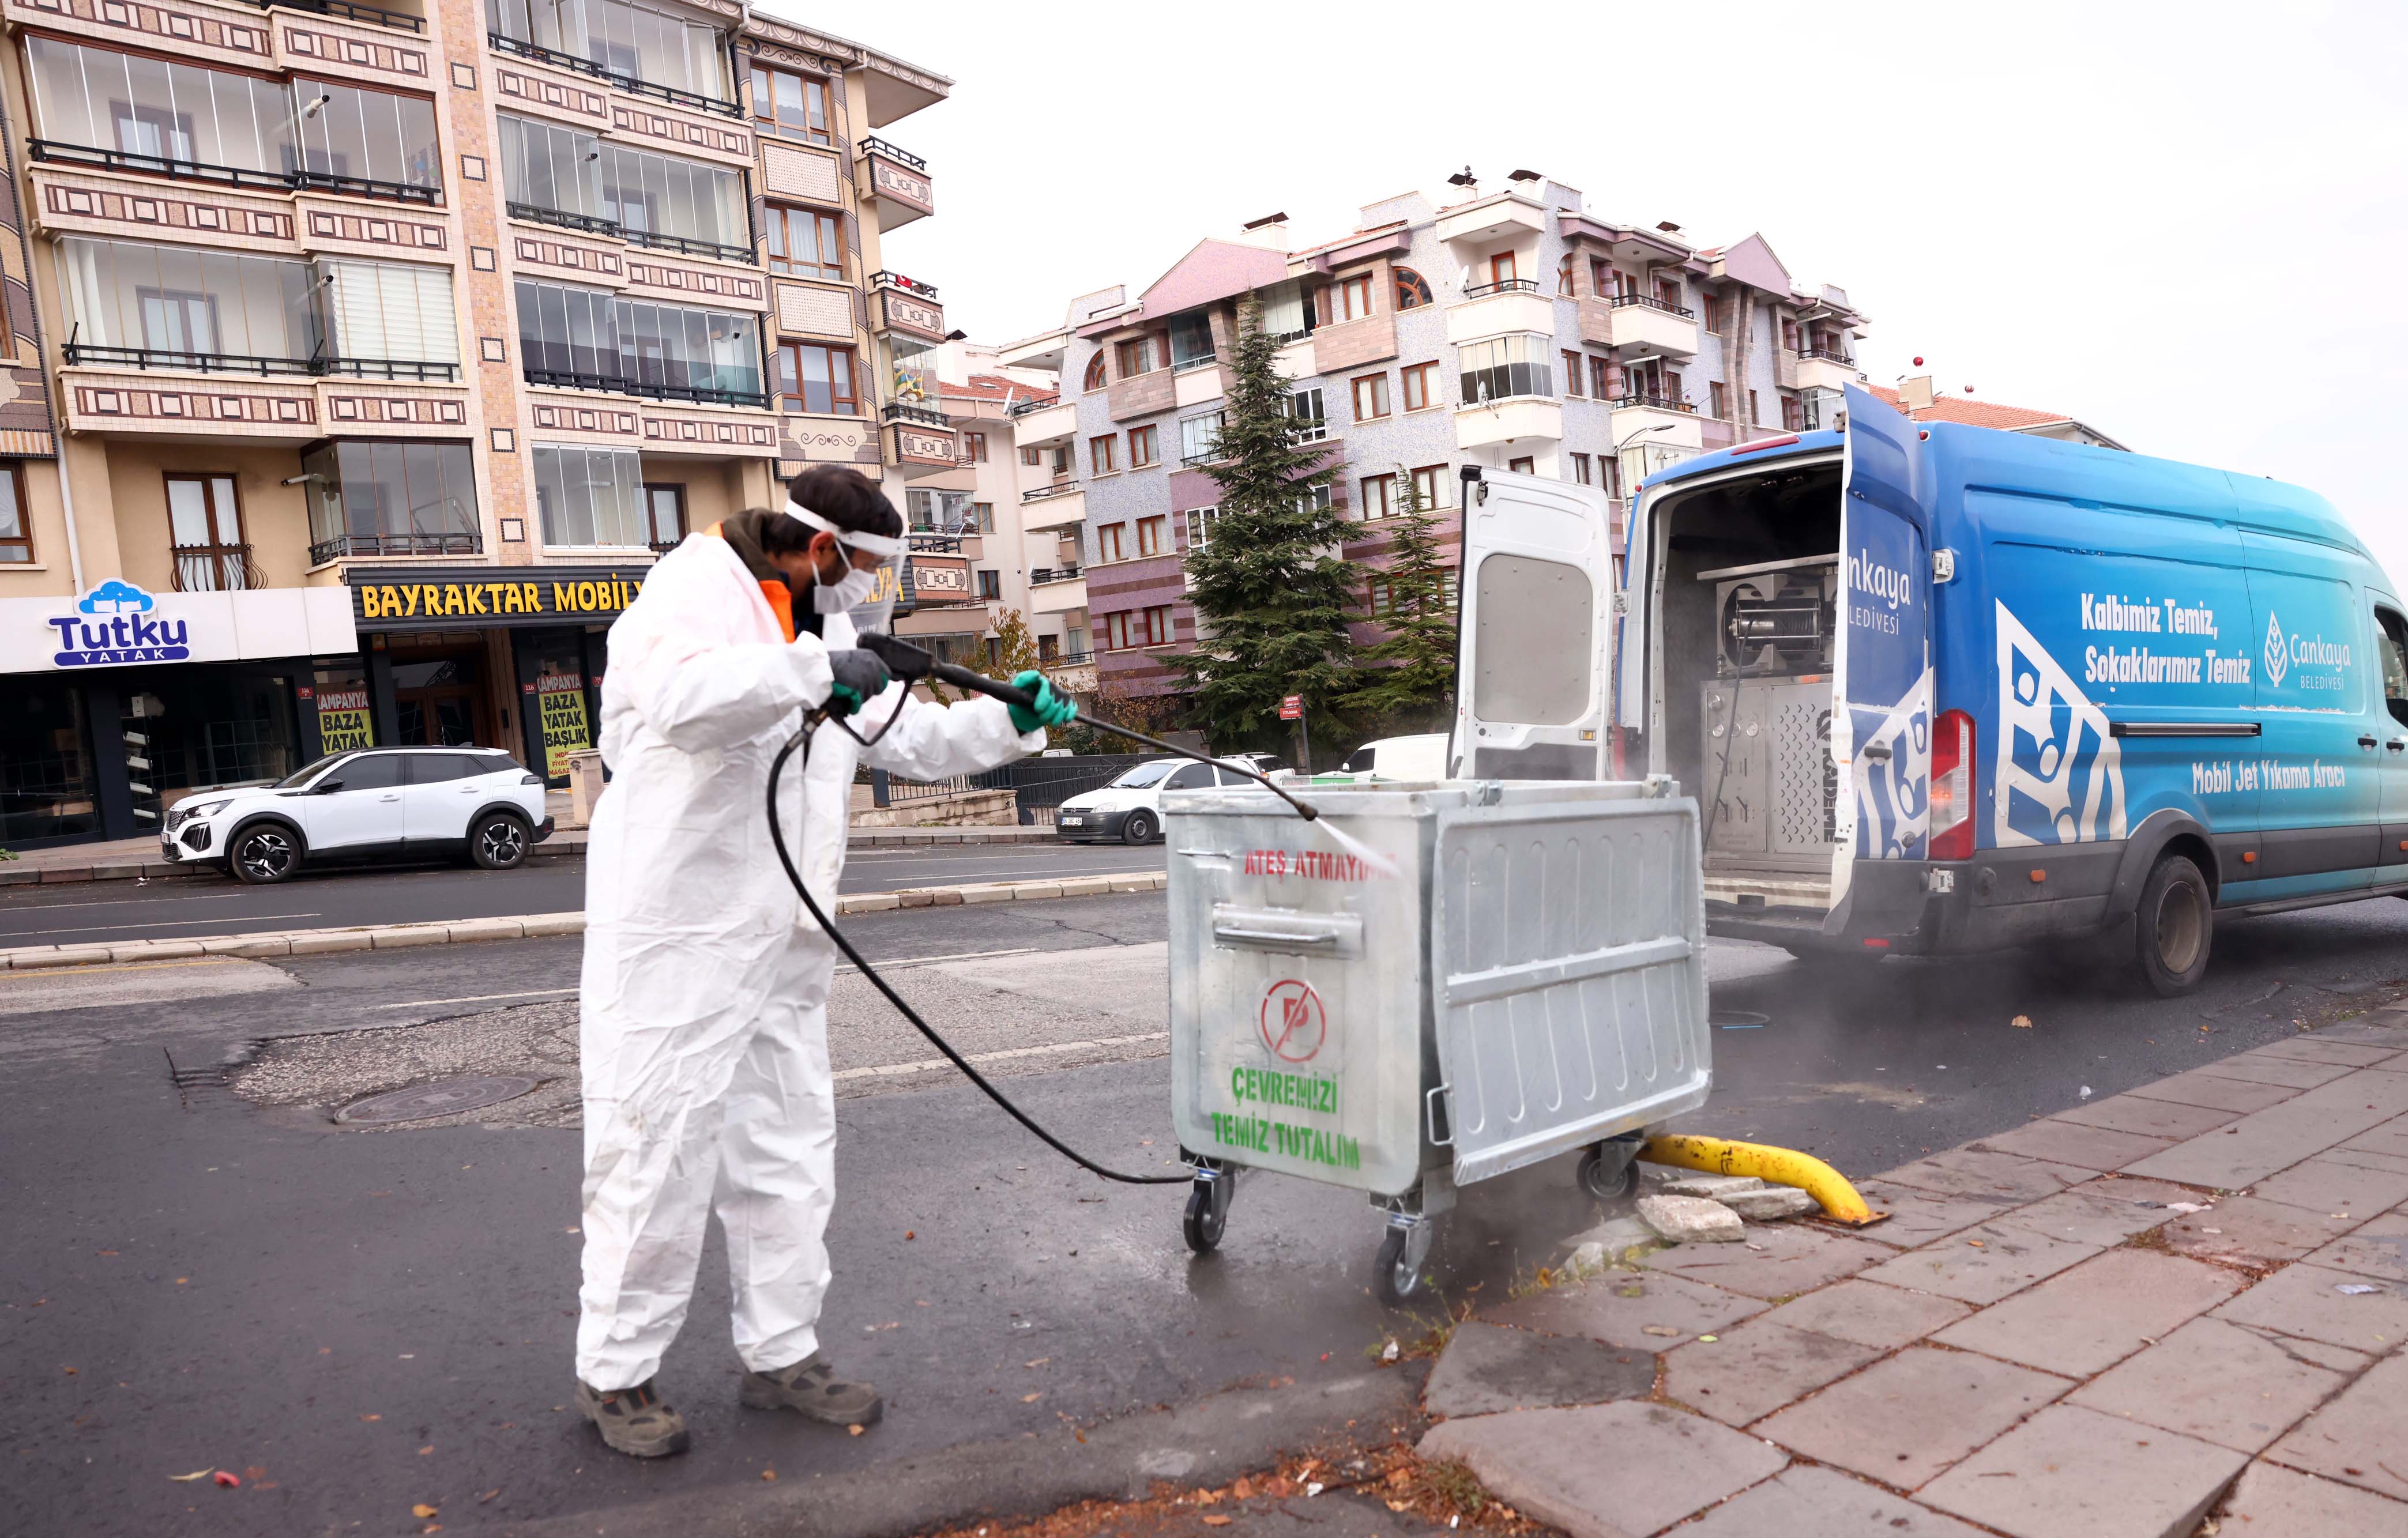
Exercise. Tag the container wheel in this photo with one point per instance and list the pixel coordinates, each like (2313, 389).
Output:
(1397, 1270)
(1607, 1179)
(1207, 1218)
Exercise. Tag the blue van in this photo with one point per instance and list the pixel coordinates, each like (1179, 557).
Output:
(1941, 689)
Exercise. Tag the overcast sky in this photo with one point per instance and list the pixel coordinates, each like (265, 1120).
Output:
(2181, 223)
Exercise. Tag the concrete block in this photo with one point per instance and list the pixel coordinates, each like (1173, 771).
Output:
(1773, 1204)
(55, 874)
(1690, 1183)
(1903, 1419)
(2282, 1136)
(1746, 1373)
(2355, 1437)
(1638, 1312)
(2150, 1117)
(2200, 1087)
(2102, 1212)
(2303, 1300)
(1869, 1314)
(1085, 886)
(540, 925)
(27, 959)
(1919, 1217)
(1029, 890)
(251, 945)
(1663, 1465)
(2072, 1143)
(986, 891)
(320, 942)
(919, 838)
(2378, 1249)
(1969, 1172)
(915, 899)
(116, 870)
(1690, 1220)
(155, 950)
(1805, 1502)
(396, 935)
(946, 897)
(2071, 1472)
(1778, 1260)
(2247, 1231)
(19, 875)
(1132, 883)
(868, 902)
(2308, 1048)
(2222, 1384)
(484, 928)
(1984, 1263)
(1613, 1240)
(1487, 1368)
(2087, 1318)
(2272, 1501)
(2287, 1073)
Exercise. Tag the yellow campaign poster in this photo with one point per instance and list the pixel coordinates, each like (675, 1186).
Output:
(561, 699)
(343, 721)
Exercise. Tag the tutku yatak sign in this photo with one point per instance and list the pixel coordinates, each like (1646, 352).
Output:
(115, 623)
(486, 597)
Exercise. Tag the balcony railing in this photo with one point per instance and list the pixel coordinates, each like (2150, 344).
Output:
(349, 12)
(689, 245)
(216, 568)
(1828, 354)
(1624, 300)
(670, 93)
(1503, 285)
(1021, 408)
(929, 542)
(85, 355)
(1065, 659)
(898, 411)
(909, 285)
(589, 223)
(416, 543)
(1060, 487)
(1182, 365)
(1660, 403)
(621, 385)
(875, 145)
(231, 176)
(1042, 574)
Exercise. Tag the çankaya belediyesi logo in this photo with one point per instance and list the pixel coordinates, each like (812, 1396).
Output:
(111, 625)
(2278, 656)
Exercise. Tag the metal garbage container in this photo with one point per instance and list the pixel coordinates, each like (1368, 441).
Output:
(1529, 982)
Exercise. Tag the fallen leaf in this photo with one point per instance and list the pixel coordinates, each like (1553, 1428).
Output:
(428, 1449)
(2021, 1022)
(1399, 1505)
(768, 1476)
(1039, 1363)
(1401, 1477)
(909, 1234)
(489, 1495)
(188, 1478)
(853, 1429)
(421, 1511)
(68, 1371)
(227, 1481)
(1708, 1339)
(380, 1417)
(1664, 1330)
(1216, 1521)
(1243, 1489)
(1031, 1399)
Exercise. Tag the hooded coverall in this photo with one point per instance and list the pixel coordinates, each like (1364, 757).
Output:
(705, 985)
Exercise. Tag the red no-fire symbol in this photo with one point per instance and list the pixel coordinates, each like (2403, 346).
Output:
(1293, 1026)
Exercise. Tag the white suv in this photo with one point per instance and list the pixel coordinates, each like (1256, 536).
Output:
(412, 803)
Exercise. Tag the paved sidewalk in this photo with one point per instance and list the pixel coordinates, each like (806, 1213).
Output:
(2178, 1305)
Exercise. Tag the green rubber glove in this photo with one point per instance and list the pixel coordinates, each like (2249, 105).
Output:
(1050, 709)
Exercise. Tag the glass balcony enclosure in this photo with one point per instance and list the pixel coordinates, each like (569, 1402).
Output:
(368, 498)
(562, 176)
(590, 340)
(640, 46)
(130, 113)
(1506, 366)
(132, 304)
(589, 496)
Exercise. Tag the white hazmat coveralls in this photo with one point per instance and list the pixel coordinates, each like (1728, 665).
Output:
(705, 987)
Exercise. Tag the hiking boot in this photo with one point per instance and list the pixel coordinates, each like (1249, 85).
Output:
(812, 1387)
(634, 1420)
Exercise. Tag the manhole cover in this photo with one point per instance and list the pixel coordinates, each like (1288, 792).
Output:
(444, 1096)
(1738, 1020)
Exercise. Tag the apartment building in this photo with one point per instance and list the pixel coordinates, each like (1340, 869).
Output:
(1512, 330)
(365, 356)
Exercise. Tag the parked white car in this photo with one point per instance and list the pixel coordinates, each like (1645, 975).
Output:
(407, 802)
(1130, 807)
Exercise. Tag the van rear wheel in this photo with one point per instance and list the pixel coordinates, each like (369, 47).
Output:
(2174, 927)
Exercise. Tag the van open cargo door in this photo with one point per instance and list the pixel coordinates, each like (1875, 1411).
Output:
(1531, 685)
(1882, 684)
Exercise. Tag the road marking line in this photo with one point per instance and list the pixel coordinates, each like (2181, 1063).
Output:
(886, 1069)
(960, 956)
(172, 923)
(480, 998)
(122, 902)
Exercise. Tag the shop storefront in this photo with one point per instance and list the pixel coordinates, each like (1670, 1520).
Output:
(117, 706)
(498, 657)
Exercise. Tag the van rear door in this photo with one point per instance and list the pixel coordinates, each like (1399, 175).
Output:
(1531, 675)
(1883, 678)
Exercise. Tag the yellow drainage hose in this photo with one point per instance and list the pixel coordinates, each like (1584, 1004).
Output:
(1777, 1166)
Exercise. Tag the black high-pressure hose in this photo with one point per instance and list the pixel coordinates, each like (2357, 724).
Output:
(908, 662)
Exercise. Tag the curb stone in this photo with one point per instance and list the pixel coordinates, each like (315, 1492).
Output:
(533, 926)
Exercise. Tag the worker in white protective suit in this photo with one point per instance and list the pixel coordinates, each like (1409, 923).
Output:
(705, 987)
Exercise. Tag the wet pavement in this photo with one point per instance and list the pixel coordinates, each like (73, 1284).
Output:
(376, 1320)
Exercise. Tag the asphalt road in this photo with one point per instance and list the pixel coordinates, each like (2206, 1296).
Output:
(83, 912)
(375, 1320)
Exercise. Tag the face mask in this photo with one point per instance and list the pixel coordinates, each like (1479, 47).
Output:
(843, 595)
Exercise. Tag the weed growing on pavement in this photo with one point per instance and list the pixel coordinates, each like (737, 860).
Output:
(1455, 1487)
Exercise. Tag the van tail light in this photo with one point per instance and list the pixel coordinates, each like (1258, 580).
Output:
(1951, 787)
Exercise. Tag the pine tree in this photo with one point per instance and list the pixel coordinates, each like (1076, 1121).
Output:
(1266, 585)
(1408, 680)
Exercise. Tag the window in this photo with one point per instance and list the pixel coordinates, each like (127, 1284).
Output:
(205, 531)
(1154, 535)
(1158, 628)
(990, 582)
(982, 519)
(1316, 499)
(1135, 356)
(380, 498)
(1378, 496)
(818, 379)
(1061, 459)
(389, 312)
(1109, 543)
(1716, 313)
(1718, 400)
(664, 514)
(1412, 290)
(1354, 297)
(1286, 316)
(1667, 292)
(1143, 449)
(1199, 438)
(1504, 368)
(1793, 412)
(806, 243)
(1421, 386)
(1191, 339)
(788, 106)
(1600, 377)
(1049, 649)
(184, 302)
(1370, 397)
(1379, 598)
(2391, 646)
(1032, 457)
(1579, 469)
(1754, 412)
(589, 496)
(1111, 632)
(1571, 373)
(16, 531)
(1094, 377)
(666, 200)
(1103, 455)
(1430, 486)
(1304, 407)
(625, 38)
(1600, 277)
(1500, 267)
(974, 445)
(1526, 465)
(1564, 277)
(1789, 333)
(1199, 526)
(589, 339)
